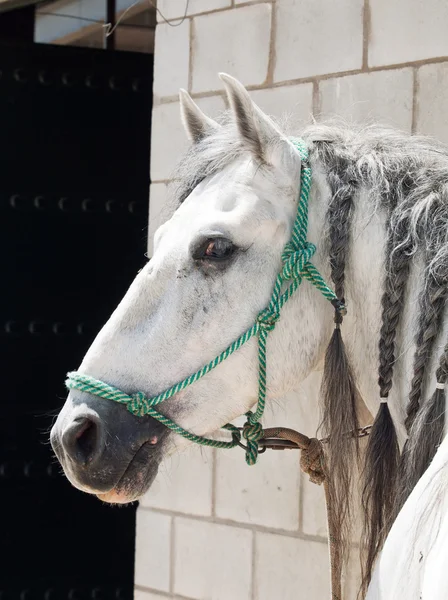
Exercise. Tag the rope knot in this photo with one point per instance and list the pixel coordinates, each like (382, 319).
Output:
(289, 249)
(267, 319)
(295, 259)
(312, 461)
(252, 432)
(138, 404)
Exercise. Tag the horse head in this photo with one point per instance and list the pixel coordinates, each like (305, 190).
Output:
(213, 270)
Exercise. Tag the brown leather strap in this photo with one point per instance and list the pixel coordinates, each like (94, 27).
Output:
(312, 462)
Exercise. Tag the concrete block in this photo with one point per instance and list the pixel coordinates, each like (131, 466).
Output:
(384, 96)
(292, 103)
(290, 568)
(224, 41)
(152, 550)
(172, 57)
(431, 101)
(317, 37)
(407, 30)
(212, 561)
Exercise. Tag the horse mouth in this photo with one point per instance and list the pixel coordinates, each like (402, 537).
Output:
(138, 476)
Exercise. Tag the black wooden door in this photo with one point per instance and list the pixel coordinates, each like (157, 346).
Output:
(74, 175)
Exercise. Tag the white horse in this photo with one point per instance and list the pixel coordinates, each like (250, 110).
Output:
(413, 561)
(378, 214)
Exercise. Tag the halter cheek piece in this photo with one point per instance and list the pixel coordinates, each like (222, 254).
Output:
(296, 258)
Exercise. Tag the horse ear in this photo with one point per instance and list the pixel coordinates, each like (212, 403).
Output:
(244, 111)
(257, 129)
(196, 123)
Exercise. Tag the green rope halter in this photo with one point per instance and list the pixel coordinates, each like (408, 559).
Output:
(296, 258)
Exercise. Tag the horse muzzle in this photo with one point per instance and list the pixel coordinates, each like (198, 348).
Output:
(107, 451)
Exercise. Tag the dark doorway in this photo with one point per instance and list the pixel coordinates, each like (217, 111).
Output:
(74, 176)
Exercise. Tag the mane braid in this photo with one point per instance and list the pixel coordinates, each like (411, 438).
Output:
(427, 433)
(338, 390)
(424, 422)
(382, 454)
(392, 303)
(432, 304)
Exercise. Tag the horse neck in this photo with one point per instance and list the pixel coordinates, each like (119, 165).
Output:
(364, 281)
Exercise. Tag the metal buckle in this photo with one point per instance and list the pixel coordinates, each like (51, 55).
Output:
(278, 444)
(268, 443)
(271, 444)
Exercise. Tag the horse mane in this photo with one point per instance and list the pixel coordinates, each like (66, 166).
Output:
(406, 177)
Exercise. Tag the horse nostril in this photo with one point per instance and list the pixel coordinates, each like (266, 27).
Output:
(85, 438)
(82, 440)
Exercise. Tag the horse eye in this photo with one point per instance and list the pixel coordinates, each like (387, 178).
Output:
(215, 249)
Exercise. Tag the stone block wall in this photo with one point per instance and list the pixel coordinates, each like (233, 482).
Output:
(212, 528)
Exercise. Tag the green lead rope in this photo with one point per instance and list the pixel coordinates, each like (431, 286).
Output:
(296, 258)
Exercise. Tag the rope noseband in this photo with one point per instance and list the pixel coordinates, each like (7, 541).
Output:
(296, 258)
